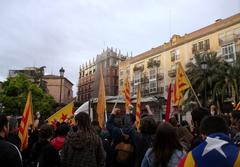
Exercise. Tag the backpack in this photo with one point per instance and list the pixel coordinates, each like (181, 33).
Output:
(124, 150)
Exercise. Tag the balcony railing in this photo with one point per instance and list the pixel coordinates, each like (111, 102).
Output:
(172, 73)
(160, 76)
(153, 63)
(138, 68)
(228, 39)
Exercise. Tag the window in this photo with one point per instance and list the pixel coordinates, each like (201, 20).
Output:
(228, 51)
(152, 73)
(152, 86)
(200, 45)
(121, 82)
(194, 48)
(137, 81)
(206, 44)
(175, 55)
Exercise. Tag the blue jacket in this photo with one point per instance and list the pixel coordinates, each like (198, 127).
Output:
(148, 160)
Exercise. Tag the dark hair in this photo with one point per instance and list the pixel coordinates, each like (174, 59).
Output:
(96, 127)
(213, 124)
(236, 115)
(165, 143)
(46, 132)
(173, 121)
(3, 121)
(148, 125)
(198, 114)
(12, 123)
(83, 121)
(62, 129)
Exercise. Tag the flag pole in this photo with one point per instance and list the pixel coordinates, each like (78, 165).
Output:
(194, 93)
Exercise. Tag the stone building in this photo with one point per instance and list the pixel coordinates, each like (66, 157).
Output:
(56, 87)
(89, 75)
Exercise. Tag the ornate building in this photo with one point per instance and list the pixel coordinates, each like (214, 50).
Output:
(89, 75)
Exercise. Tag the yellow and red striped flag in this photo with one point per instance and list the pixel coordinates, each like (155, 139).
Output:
(27, 120)
(127, 95)
(138, 108)
(101, 105)
(65, 113)
(237, 107)
(181, 84)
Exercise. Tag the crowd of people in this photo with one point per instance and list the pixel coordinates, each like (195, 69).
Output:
(211, 140)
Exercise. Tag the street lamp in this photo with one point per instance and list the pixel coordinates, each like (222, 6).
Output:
(61, 71)
(204, 68)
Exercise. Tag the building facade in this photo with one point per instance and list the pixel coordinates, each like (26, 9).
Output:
(89, 75)
(156, 68)
(59, 88)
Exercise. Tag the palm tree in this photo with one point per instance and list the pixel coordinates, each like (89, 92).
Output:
(204, 79)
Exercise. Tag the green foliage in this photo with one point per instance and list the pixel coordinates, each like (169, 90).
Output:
(14, 92)
(220, 79)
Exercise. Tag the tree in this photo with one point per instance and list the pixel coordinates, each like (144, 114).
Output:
(14, 94)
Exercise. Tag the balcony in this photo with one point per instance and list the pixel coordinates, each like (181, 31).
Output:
(153, 63)
(160, 76)
(172, 73)
(138, 68)
(228, 39)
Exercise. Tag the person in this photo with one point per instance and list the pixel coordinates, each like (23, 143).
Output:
(213, 110)
(13, 132)
(123, 150)
(166, 150)
(60, 135)
(9, 154)
(217, 148)
(82, 146)
(44, 154)
(185, 137)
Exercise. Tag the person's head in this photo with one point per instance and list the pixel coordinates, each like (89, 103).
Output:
(4, 126)
(13, 125)
(62, 129)
(165, 143)
(83, 121)
(234, 117)
(45, 132)
(38, 115)
(197, 115)
(96, 127)
(148, 125)
(173, 121)
(213, 124)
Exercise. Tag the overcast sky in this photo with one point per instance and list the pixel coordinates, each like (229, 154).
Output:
(67, 33)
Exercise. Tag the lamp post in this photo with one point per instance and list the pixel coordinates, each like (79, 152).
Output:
(204, 68)
(61, 71)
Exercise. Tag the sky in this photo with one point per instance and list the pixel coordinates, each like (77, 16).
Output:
(67, 33)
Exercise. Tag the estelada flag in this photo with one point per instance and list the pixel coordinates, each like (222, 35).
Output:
(181, 84)
(65, 113)
(138, 108)
(27, 120)
(101, 105)
(237, 107)
(217, 150)
(127, 95)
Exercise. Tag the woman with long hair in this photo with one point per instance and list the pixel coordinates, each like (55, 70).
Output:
(166, 151)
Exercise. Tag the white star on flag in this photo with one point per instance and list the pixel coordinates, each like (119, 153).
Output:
(214, 144)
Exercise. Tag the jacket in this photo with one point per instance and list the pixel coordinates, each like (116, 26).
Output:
(57, 142)
(82, 149)
(148, 160)
(9, 155)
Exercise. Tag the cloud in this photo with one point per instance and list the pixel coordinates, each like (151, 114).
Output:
(66, 33)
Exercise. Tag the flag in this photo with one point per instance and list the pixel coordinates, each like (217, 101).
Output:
(27, 120)
(181, 84)
(101, 105)
(168, 107)
(237, 107)
(138, 108)
(127, 95)
(65, 113)
(216, 150)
